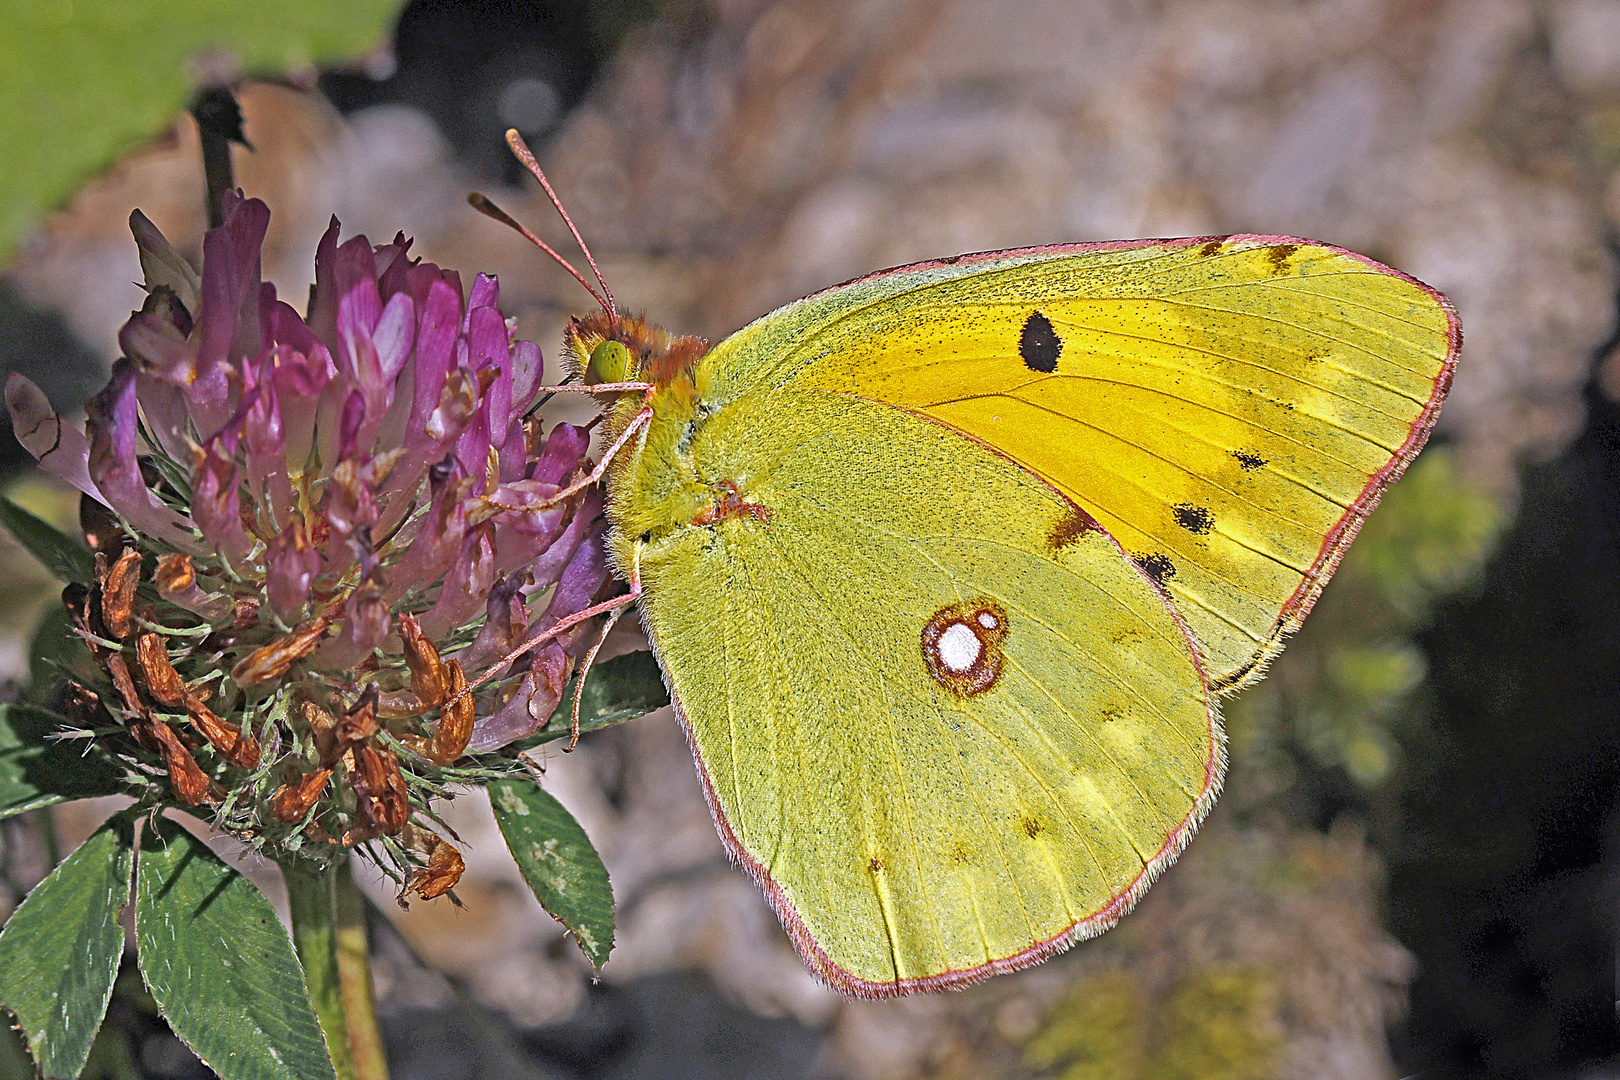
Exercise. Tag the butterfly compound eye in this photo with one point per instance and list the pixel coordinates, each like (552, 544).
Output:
(610, 363)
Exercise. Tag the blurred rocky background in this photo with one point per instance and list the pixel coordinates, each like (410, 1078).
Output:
(1413, 870)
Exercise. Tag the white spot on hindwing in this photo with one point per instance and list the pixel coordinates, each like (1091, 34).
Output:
(959, 647)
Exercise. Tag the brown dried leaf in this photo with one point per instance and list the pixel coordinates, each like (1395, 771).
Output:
(359, 723)
(322, 726)
(191, 786)
(174, 574)
(118, 669)
(380, 788)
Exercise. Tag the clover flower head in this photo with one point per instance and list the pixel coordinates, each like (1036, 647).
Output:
(317, 530)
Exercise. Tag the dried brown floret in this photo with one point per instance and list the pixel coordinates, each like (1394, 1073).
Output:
(118, 594)
(455, 728)
(293, 799)
(272, 661)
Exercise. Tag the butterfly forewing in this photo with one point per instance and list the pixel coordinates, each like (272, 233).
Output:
(1229, 409)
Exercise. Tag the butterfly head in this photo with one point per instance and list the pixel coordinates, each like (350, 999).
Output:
(618, 348)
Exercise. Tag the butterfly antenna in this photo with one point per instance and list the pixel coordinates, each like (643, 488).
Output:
(485, 206)
(521, 149)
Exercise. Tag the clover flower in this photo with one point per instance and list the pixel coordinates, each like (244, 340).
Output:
(327, 527)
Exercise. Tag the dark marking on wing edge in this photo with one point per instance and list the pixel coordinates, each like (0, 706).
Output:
(1248, 460)
(1195, 519)
(1157, 565)
(1039, 344)
(1069, 528)
(1212, 249)
(1278, 255)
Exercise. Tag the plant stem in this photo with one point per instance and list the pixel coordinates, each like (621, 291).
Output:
(354, 977)
(312, 896)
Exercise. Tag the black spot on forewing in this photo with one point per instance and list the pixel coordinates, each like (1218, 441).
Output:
(1248, 460)
(1157, 565)
(1039, 344)
(1212, 248)
(1195, 519)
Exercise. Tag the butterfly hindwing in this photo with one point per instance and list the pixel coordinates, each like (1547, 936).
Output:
(938, 713)
(1228, 408)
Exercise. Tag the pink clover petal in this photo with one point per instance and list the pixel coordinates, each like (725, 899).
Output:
(513, 453)
(565, 449)
(161, 265)
(158, 346)
(556, 558)
(536, 699)
(230, 285)
(439, 539)
(527, 367)
(323, 297)
(486, 293)
(490, 346)
(217, 503)
(505, 619)
(581, 579)
(164, 405)
(465, 586)
(114, 469)
(61, 450)
(291, 564)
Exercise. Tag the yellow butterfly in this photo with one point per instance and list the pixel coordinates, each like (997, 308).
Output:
(948, 566)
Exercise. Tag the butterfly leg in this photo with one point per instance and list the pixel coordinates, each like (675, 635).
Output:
(596, 474)
(585, 669)
(590, 657)
(552, 631)
(593, 388)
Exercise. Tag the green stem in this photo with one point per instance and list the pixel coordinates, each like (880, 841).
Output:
(312, 896)
(354, 976)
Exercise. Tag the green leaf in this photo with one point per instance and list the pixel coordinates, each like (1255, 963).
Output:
(64, 557)
(557, 860)
(616, 690)
(55, 654)
(59, 951)
(220, 965)
(36, 770)
(102, 76)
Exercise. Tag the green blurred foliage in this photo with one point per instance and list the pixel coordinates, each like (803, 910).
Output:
(1099, 1032)
(86, 80)
(1344, 692)
(1214, 1023)
(1218, 1024)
